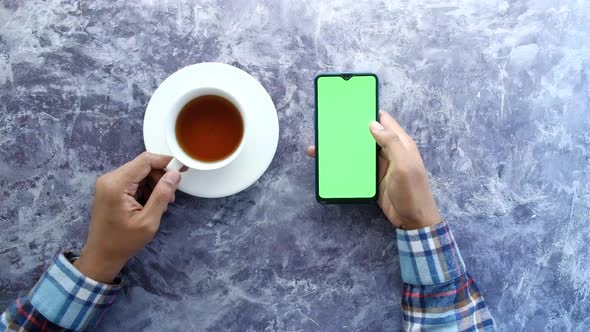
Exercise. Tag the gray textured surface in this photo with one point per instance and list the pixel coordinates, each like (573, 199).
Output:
(496, 93)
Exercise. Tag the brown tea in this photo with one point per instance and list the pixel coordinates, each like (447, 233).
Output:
(209, 128)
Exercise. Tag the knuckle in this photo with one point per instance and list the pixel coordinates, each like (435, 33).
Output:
(168, 187)
(394, 137)
(402, 171)
(163, 193)
(149, 227)
(416, 173)
(149, 224)
(391, 138)
(145, 157)
(408, 171)
(144, 226)
(104, 183)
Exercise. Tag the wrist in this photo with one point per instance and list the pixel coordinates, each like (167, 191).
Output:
(98, 268)
(411, 226)
(426, 221)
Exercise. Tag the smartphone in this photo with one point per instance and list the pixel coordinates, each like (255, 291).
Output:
(346, 153)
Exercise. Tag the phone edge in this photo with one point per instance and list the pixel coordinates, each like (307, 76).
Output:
(319, 199)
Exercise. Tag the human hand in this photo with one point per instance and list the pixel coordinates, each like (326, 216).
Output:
(404, 191)
(121, 225)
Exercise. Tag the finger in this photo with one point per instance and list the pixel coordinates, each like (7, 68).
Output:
(311, 151)
(138, 168)
(389, 123)
(388, 140)
(162, 194)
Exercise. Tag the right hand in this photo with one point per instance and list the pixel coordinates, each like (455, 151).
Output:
(122, 224)
(404, 191)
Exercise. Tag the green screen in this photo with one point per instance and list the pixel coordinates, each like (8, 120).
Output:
(346, 150)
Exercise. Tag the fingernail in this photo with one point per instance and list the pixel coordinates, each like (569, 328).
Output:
(376, 126)
(172, 177)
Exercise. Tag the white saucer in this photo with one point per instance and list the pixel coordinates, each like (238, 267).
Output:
(260, 142)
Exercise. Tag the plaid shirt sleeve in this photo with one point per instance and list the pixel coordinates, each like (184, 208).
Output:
(63, 299)
(438, 292)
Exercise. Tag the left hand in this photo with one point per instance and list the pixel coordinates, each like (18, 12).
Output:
(121, 225)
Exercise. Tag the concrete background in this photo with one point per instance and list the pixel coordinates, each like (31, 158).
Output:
(496, 94)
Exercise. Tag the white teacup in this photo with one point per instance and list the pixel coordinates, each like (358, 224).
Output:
(180, 157)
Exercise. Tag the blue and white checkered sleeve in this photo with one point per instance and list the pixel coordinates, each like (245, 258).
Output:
(429, 255)
(69, 299)
(438, 292)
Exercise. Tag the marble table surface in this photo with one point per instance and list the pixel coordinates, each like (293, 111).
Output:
(495, 93)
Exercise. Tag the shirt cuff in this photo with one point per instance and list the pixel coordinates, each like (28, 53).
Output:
(429, 255)
(69, 299)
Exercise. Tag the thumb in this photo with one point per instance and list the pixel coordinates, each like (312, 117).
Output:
(388, 140)
(162, 194)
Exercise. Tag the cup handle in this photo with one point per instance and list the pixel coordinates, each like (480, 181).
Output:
(174, 164)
